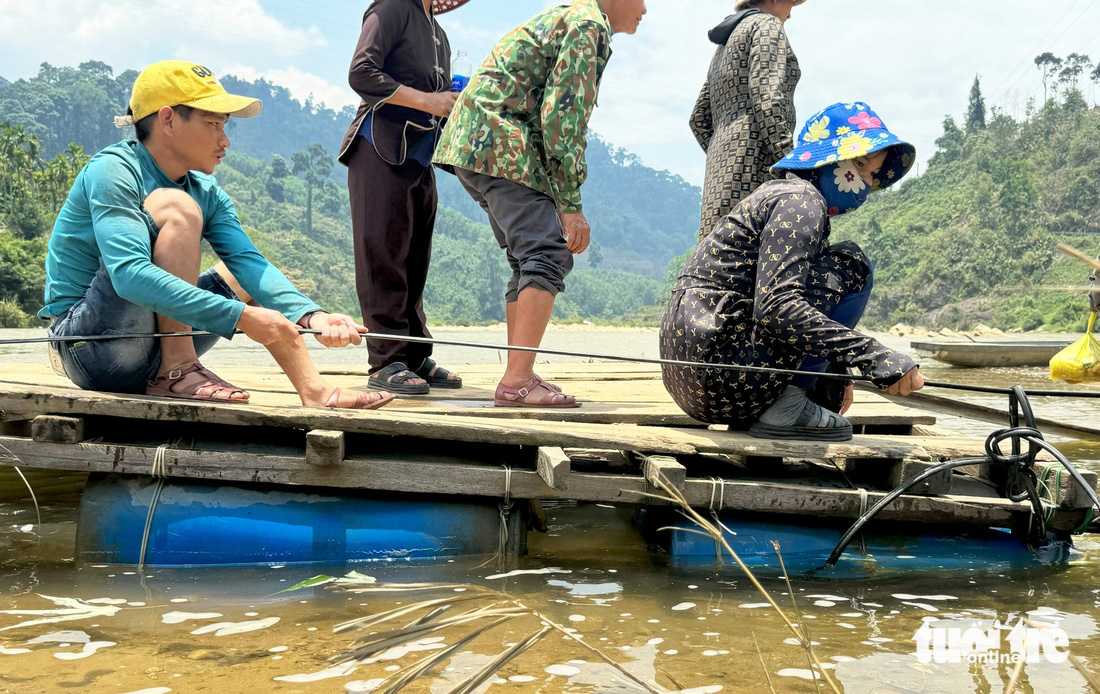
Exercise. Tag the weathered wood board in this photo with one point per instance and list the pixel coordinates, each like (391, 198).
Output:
(610, 393)
(396, 474)
(24, 402)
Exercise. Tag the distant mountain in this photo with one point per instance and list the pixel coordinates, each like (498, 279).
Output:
(641, 217)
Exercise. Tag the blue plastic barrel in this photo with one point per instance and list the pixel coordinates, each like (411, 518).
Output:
(219, 524)
(806, 545)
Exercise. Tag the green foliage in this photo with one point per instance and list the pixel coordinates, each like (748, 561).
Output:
(640, 217)
(973, 239)
(975, 112)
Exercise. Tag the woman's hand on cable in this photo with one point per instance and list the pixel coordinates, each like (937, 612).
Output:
(439, 103)
(575, 229)
(911, 382)
(849, 396)
(336, 329)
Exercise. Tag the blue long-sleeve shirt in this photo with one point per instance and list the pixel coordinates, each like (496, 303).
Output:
(102, 221)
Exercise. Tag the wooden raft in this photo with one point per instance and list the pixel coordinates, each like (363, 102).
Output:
(456, 443)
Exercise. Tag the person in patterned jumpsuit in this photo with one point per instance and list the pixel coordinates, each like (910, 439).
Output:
(516, 139)
(766, 288)
(744, 118)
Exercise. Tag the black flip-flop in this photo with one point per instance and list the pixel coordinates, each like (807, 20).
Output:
(439, 379)
(399, 372)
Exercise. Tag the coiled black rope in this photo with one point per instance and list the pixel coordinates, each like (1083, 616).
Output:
(1020, 481)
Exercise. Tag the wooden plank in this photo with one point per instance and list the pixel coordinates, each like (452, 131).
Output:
(553, 467)
(890, 474)
(324, 447)
(1063, 487)
(57, 429)
(635, 397)
(482, 480)
(996, 415)
(666, 469)
(653, 440)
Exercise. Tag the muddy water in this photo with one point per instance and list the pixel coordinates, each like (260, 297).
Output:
(104, 628)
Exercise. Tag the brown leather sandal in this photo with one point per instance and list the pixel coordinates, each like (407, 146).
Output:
(195, 382)
(363, 401)
(534, 393)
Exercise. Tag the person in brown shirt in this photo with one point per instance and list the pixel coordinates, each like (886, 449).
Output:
(401, 71)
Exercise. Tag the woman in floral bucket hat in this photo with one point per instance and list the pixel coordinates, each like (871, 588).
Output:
(766, 288)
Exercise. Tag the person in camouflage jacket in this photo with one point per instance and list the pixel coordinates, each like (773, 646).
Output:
(516, 139)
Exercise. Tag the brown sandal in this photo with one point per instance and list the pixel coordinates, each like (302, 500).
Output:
(534, 393)
(363, 401)
(195, 382)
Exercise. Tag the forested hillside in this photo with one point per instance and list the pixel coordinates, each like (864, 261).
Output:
(973, 238)
(970, 240)
(293, 202)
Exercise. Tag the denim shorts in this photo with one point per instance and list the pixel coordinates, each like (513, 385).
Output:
(125, 365)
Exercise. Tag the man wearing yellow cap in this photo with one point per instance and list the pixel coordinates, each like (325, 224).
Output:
(124, 259)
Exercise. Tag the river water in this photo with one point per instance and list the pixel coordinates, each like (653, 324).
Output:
(701, 628)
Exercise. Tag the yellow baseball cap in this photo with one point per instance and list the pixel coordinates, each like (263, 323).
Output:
(180, 83)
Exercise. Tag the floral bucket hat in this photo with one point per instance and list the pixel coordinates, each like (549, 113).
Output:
(848, 131)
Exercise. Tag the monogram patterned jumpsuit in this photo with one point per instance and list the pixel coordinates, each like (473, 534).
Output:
(744, 118)
(759, 291)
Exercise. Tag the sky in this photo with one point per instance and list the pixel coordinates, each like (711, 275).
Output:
(913, 62)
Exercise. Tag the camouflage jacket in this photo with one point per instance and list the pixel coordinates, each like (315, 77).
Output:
(524, 116)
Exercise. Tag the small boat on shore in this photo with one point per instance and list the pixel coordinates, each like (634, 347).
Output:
(990, 353)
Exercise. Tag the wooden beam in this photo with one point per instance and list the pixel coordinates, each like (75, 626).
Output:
(889, 474)
(665, 469)
(647, 440)
(324, 447)
(553, 467)
(392, 474)
(57, 429)
(1064, 487)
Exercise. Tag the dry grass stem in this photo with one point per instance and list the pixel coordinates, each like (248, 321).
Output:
(1079, 665)
(677, 498)
(763, 665)
(595, 651)
(494, 666)
(1016, 672)
(1076, 662)
(502, 609)
(806, 641)
(421, 666)
(1070, 250)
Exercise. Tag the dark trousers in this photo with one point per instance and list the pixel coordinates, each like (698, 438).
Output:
(392, 218)
(849, 311)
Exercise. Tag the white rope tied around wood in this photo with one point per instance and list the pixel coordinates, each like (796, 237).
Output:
(505, 509)
(863, 499)
(718, 489)
(159, 472)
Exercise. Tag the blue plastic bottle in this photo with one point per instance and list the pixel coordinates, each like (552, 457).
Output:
(461, 69)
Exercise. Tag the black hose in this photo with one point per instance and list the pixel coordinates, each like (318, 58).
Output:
(1019, 471)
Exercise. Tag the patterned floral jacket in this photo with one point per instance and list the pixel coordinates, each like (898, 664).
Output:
(524, 116)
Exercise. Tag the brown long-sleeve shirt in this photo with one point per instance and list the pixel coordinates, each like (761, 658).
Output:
(400, 45)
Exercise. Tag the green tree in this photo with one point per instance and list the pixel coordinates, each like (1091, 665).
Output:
(1048, 65)
(1075, 65)
(975, 111)
(314, 166)
(275, 185)
(950, 144)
